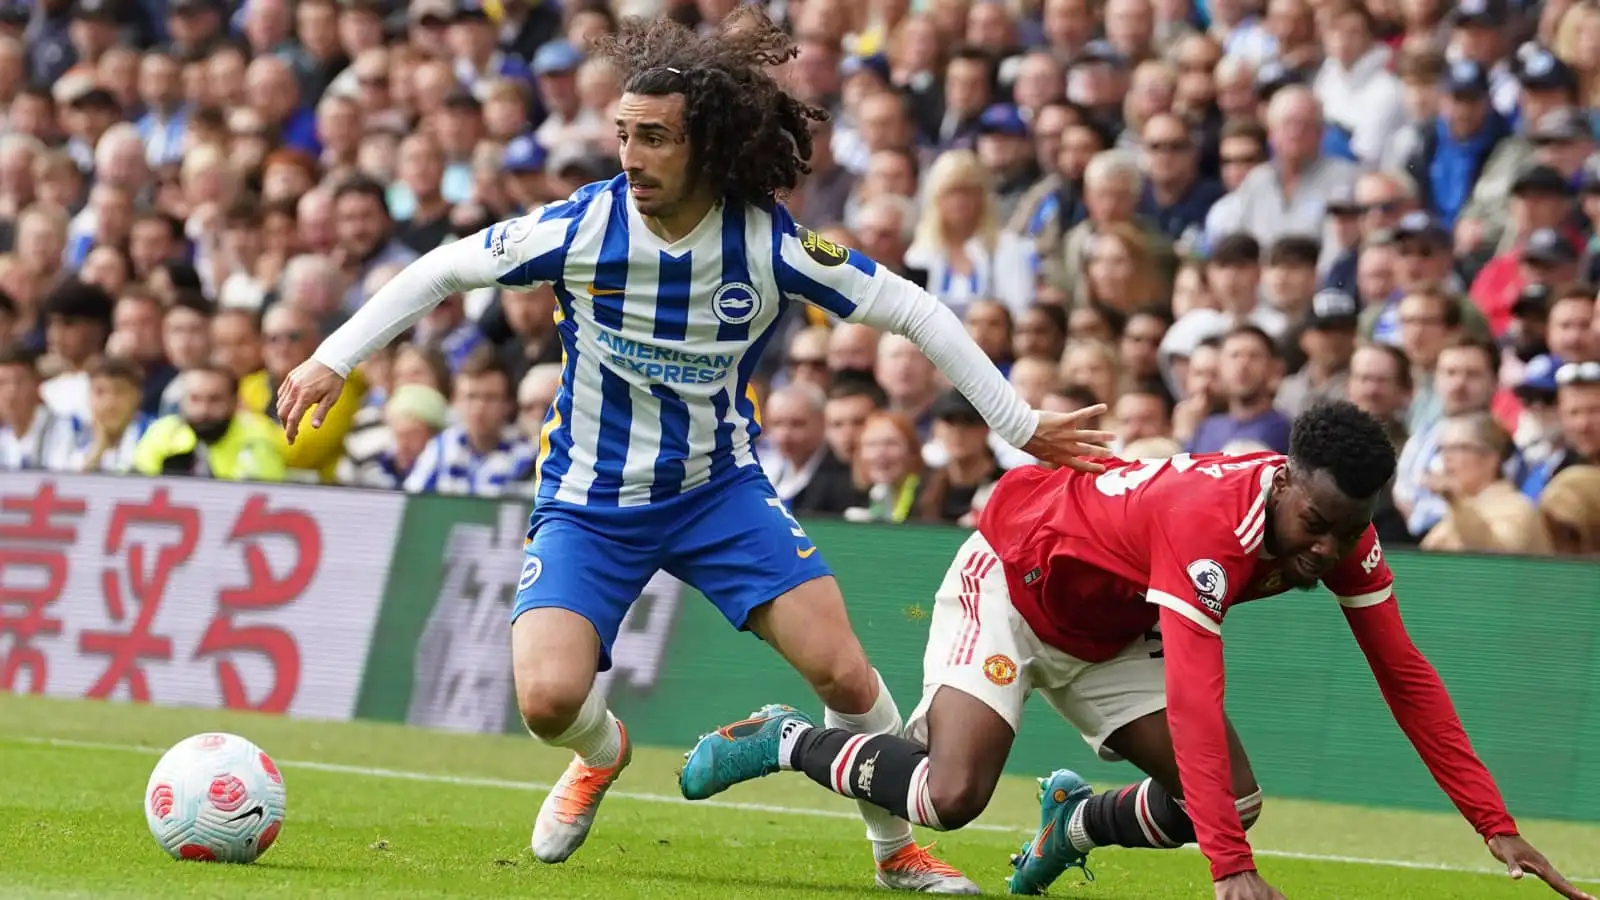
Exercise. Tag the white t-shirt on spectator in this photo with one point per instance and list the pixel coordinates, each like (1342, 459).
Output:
(50, 443)
(1004, 273)
(1365, 100)
(67, 394)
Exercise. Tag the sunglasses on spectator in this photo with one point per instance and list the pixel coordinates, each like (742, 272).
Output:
(1579, 373)
(1386, 206)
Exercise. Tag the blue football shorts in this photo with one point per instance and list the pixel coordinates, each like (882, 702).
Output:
(735, 542)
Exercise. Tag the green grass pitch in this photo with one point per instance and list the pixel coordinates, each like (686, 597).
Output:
(381, 811)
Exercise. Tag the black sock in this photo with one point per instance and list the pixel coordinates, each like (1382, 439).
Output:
(887, 771)
(1143, 815)
(1139, 815)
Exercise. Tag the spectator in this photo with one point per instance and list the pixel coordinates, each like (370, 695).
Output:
(1447, 154)
(32, 436)
(1112, 186)
(536, 394)
(887, 468)
(1464, 378)
(1175, 195)
(481, 456)
(1354, 85)
(851, 400)
(289, 337)
(1429, 322)
(211, 437)
(1092, 364)
(311, 285)
(1486, 512)
(186, 342)
(530, 316)
(78, 321)
(1288, 281)
(365, 235)
(236, 344)
(909, 380)
(806, 474)
(136, 335)
(1142, 412)
(413, 417)
(1139, 345)
(109, 441)
(1119, 273)
(1249, 373)
(808, 357)
(1570, 507)
(959, 243)
(1041, 332)
(1005, 149)
(959, 485)
(1327, 337)
(1380, 384)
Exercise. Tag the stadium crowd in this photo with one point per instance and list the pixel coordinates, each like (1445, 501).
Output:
(1206, 216)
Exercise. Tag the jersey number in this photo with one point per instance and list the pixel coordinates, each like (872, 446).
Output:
(1117, 482)
(794, 524)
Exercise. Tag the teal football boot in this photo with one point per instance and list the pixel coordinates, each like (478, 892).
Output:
(736, 753)
(1042, 859)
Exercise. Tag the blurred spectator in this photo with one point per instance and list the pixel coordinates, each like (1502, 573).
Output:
(909, 380)
(1429, 322)
(186, 342)
(536, 394)
(482, 455)
(808, 357)
(958, 486)
(803, 469)
(887, 468)
(1249, 374)
(1327, 338)
(1357, 91)
(1486, 511)
(1570, 507)
(77, 323)
(32, 436)
(289, 337)
(110, 437)
(1175, 195)
(236, 343)
(136, 335)
(1380, 384)
(211, 437)
(1464, 381)
(413, 416)
(1041, 332)
(1290, 194)
(1143, 411)
(365, 235)
(853, 348)
(959, 243)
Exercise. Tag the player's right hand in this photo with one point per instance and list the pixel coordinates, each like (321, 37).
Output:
(1247, 886)
(1059, 440)
(310, 385)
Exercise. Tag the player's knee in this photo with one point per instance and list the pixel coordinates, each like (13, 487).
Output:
(957, 798)
(846, 682)
(549, 704)
(1249, 806)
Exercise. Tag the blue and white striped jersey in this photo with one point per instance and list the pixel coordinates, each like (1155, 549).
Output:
(660, 339)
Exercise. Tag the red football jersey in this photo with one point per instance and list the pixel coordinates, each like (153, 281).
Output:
(1088, 557)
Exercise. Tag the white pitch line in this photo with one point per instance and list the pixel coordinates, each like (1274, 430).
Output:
(771, 809)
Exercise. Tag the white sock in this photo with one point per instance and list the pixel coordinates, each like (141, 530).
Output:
(888, 834)
(594, 735)
(787, 738)
(1077, 833)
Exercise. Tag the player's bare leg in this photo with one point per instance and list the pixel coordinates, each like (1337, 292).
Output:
(1147, 814)
(809, 628)
(554, 654)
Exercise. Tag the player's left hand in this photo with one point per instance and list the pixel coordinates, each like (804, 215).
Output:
(311, 384)
(1059, 440)
(1520, 857)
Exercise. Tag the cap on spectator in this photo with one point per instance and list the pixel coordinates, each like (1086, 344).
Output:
(1585, 373)
(1565, 124)
(573, 157)
(1193, 328)
(953, 407)
(1477, 14)
(874, 64)
(419, 403)
(524, 156)
(1342, 201)
(1466, 78)
(1420, 224)
(1333, 310)
(1274, 76)
(1547, 247)
(1533, 302)
(1541, 70)
(95, 10)
(469, 11)
(95, 98)
(1003, 118)
(1237, 249)
(1542, 180)
(1100, 52)
(555, 57)
(1539, 378)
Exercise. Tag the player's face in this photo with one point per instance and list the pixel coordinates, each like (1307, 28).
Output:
(1314, 525)
(655, 151)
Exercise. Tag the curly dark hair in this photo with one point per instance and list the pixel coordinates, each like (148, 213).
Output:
(1350, 445)
(746, 133)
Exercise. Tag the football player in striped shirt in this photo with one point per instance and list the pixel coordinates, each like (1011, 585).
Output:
(671, 279)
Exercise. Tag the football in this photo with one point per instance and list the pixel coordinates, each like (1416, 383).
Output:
(215, 797)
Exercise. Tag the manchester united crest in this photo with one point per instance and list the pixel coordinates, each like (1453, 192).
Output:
(1000, 669)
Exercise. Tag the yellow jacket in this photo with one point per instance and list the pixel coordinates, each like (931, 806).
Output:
(315, 450)
(250, 450)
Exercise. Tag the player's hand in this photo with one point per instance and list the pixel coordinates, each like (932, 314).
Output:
(1247, 886)
(1059, 440)
(311, 384)
(1520, 857)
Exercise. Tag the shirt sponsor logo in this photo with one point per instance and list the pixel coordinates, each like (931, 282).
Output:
(666, 365)
(1374, 556)
(821, 250)
(1210, 583)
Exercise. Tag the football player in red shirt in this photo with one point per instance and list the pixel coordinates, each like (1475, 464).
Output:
(1105, 593)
